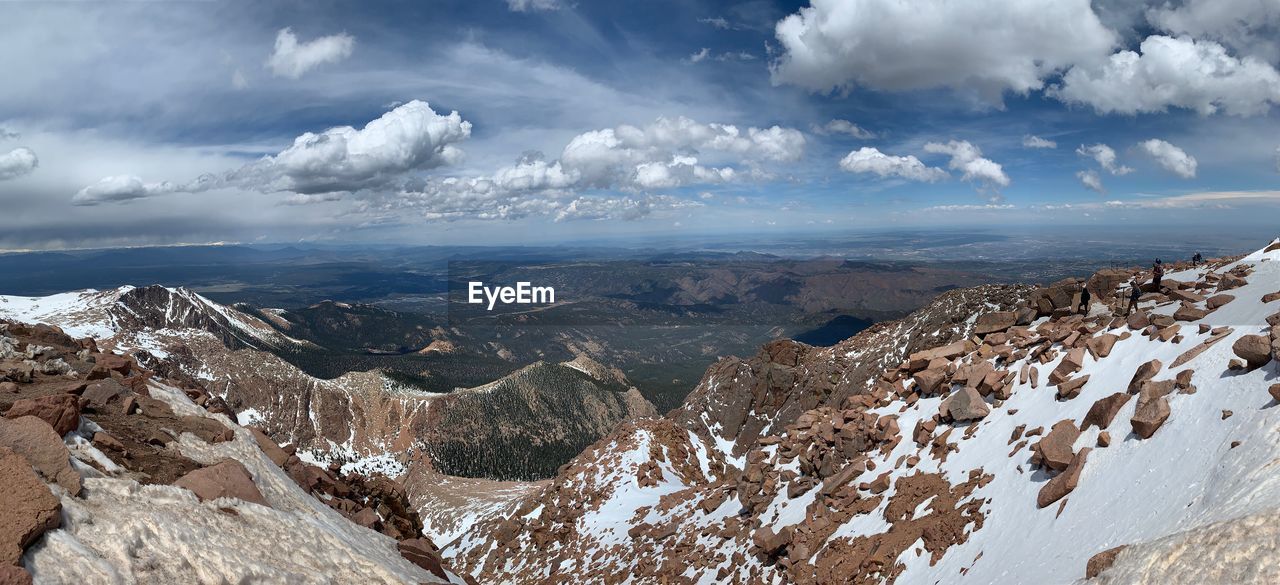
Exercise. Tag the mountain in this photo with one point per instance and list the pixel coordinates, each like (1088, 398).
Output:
(1027, 444)
(113, 474)
(526, 424)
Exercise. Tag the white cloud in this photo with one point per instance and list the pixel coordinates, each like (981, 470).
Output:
(624, 208)
(705, 53)
(17, 162)
(963, 208)
(292, 59)
(1173, 72)
(666, 153)
(1246, 26)
(840, 126)
(871, 160)
(1170, 157)
(1105, 157)
(719, 22)
(534, 5)
(987, 46)
(411, 137)
(1031, 141)
(1091, 180)
(968, 158)
(121, 188)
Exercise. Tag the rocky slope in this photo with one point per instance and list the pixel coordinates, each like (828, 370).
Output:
(362, 421)
(114, 475)
(1035, 445)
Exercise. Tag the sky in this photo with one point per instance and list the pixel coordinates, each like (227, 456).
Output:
(538, 121)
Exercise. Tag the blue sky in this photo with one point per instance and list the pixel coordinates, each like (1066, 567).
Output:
(543, 120)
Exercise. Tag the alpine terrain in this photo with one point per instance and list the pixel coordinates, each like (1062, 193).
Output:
(999, 434)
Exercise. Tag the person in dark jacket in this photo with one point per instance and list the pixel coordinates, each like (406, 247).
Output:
(1157, 272)
(1135, 291)
(1197, 259)
(1084, 301)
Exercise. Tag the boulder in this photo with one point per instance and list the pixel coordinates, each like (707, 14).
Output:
(1055, 450)
(228, 479)
(1145, 372)
(27, 508)
(1104, 439)
(101, 392)
(1255, 350)
(423, 552)
(930, 380)
(269, 446)
(37, 442)
(1274, 391)
(115, 363)
(1216, 301)
(1063, 484)
(1104, 411)
(1190, 313)
(1102, 561)
(1185, 296)
(1149, 415)
(1071, 388)
(8, 388)
(964, 404)
(769, 542)
(995, 322)
(1101, 345)
(1137, 320)
(1103, 283)
(61, 411)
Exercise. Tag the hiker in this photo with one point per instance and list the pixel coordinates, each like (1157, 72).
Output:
(1135, 291)
(1197, 259)
(1084, 301)
(1157, 272)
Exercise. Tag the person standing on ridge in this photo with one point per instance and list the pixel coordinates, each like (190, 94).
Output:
(1135, 291)
(1197, 259)
(1084, 301)
(1157, 272)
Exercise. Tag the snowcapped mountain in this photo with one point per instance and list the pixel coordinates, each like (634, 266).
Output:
(1038, 445)
(1000, 434)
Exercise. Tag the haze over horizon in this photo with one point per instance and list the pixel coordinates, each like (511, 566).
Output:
(546, 121)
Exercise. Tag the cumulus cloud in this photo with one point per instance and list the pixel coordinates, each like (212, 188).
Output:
(1105, 157)
(121, 188)
(292, 59)
(534, 5)
(1170, 157)
(871, 160)
(840, 126)
(412, 137)
(987, 46)
(1246, 26)
(666, 153)
(1170, 72)
(1032, 141)
(967, 158)
(1091, 181)
(17, 162)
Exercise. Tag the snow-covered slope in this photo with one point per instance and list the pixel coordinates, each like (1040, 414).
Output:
(889, 487)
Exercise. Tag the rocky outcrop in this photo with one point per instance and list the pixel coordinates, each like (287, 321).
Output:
(27, 508)
(36, 441)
